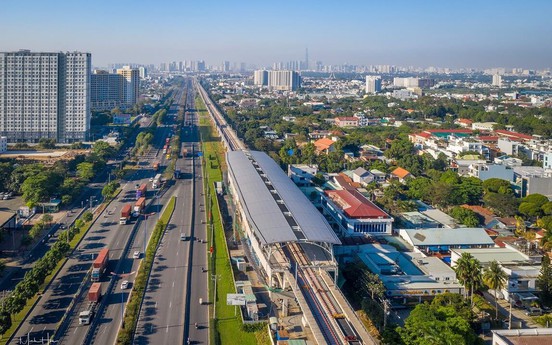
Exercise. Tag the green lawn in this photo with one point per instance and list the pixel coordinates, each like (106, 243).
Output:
(227, 328)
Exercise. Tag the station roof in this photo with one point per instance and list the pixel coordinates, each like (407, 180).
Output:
(275, 207)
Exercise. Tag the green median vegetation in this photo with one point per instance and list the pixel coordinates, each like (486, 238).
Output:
(226, 328)
(133, 306)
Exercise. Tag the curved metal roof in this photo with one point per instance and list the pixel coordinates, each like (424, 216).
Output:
(275, 207)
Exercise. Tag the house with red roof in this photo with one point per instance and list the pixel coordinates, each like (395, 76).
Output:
(352, 214)
(513, 135)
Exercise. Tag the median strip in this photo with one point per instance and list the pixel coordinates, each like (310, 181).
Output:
(132, 310)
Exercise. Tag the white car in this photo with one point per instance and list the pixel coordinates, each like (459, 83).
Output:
(124, 284)
(136, 255)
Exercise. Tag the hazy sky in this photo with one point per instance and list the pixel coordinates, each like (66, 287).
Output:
(446, 33)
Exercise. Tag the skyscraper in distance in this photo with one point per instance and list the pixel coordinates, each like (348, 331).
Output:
(373, 84)
(45, 95)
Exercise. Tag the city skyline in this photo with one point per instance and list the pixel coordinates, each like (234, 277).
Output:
(455, 35)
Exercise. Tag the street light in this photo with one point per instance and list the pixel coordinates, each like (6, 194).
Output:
(215, 277)
(122, 275)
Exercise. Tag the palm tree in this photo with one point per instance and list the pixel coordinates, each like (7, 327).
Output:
(468, 273)
(495, 279)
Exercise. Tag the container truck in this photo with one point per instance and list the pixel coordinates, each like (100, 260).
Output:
(139, 207)
(141, 191)
(99, 265)
(156, 181)
(125, 214)
(94, 296)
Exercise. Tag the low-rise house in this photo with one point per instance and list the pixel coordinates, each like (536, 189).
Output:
(441, 217)
(417, 220)
(525, 336)
(302, 174)
(530, 180)
(401, 174)
(324, 146)
(485, 171)
(362, 176)
(379, 176)
(346, 121)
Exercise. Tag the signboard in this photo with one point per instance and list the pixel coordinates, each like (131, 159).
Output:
(235, 299)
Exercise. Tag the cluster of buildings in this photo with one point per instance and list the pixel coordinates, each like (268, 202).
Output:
(51, 95)
(414, 255)
(490, 153)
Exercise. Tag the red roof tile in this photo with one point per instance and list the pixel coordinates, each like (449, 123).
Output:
(514, 134)
(355, 205)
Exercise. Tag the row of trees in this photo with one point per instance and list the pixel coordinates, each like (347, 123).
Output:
(30, 284)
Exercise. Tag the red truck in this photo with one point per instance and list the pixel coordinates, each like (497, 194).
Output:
(98, 267)
(125, 214)
(94, 296)
(141, 192)
(139, 206)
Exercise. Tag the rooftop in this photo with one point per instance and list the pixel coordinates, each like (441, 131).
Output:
(275, 207)
(527, 336)
(355, 205)
(400, 172)
(502, 255)
(448, 237)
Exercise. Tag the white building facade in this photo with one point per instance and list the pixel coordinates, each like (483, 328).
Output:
(45, 95)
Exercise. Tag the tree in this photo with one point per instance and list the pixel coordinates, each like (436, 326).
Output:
(495, 279)
(47, 218)
(399, 149)
(468, 273)
(87, 216)
(496, 185)
(544, 281)
(85, 171)
(504, 205)
(109, 189)
(5, 321)
(430, 324)
(465, 216)
(529, 209)
(103, 149)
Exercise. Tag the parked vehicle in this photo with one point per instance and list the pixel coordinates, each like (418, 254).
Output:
(124, 284)
(533, 311)
(136, 255)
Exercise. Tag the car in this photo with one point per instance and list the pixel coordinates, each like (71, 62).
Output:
(124, 284)
(183, 236)
(533, 311)
(136, 255)
(63, 226)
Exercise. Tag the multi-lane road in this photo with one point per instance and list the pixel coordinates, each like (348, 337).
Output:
(179, 278)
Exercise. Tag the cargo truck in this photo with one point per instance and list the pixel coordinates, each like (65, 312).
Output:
(99, 265)
(139, 207)
(156, 181)
(141, 191)
(125, 214)
(94, 296)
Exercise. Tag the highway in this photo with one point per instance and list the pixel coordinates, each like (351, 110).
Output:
(105, 232)
(171, 307)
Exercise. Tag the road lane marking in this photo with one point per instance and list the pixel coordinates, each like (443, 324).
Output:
(170, 305)
(173, 283)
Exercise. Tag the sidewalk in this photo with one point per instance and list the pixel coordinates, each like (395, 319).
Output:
(504, 311)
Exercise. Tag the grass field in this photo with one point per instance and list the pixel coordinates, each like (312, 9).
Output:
(228, 327)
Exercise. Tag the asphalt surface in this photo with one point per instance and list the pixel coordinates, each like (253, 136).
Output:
(105, 232)
(171, 307)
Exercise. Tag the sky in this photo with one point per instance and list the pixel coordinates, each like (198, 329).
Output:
(421, 33)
